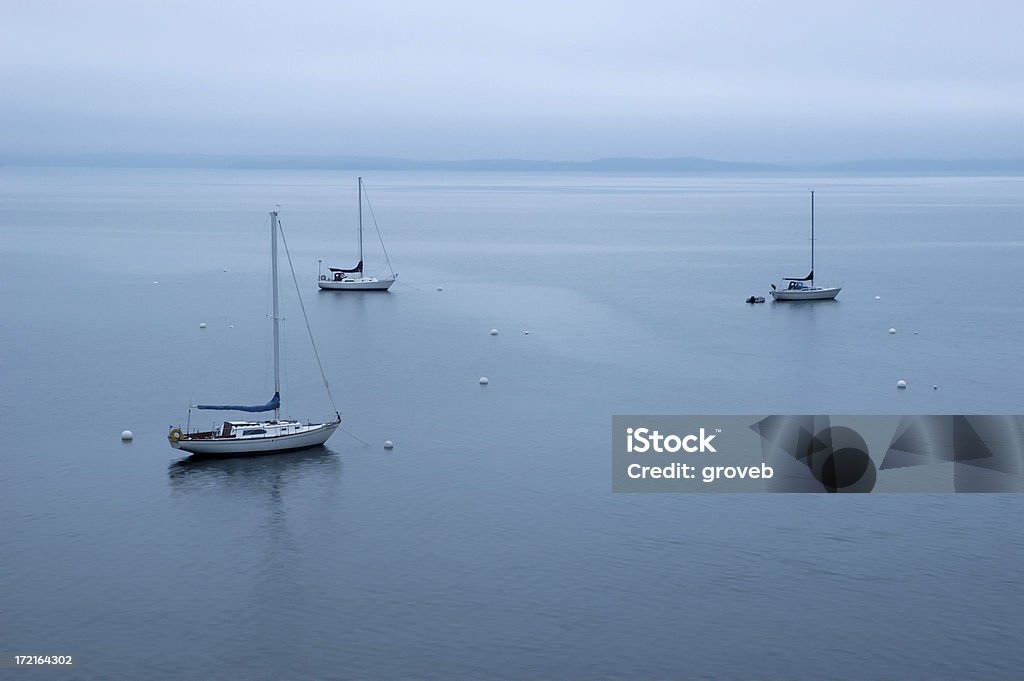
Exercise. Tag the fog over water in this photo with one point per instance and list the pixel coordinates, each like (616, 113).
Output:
(738, 80)
(488, 543)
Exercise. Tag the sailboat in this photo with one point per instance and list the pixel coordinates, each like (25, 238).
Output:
(240, 438)
(354, 279)
(803, 288)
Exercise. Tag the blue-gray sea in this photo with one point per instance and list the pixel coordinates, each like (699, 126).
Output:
(488, 544)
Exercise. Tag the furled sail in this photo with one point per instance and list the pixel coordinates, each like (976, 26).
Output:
(274, 403)
(809, 277)
(357, 268)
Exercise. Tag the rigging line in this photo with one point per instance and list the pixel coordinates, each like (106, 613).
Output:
(377, 227)
(285, 349)
(405, 285)
(302, 305)
(357, 439)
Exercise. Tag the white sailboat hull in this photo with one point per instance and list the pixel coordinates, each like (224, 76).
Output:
(345, 279)
(243, 438)
(309, 435)
(795, 290)
(813, 293)
(361, 284)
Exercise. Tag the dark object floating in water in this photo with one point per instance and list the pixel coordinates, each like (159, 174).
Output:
(755, 299)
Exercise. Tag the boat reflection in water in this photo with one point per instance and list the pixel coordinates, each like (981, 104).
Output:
(263, 536)
(309, 477)
(252, 472)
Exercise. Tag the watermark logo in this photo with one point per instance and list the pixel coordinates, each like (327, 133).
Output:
(831, 454)
(641, 440)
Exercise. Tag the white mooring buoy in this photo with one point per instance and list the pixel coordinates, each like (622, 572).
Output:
(126, 435)
(878, 297)
(202, 325)
(892, 331)
(494, 332)
(483, 380)
(901, 384)
(388, 444)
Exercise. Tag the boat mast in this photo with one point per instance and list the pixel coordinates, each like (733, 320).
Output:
(360, 228)
(277, 341)
(812, 237)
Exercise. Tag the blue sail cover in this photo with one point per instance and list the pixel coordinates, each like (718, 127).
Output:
(357, 268)
(274, 403)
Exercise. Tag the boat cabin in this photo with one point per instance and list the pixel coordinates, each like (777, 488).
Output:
(246, 429)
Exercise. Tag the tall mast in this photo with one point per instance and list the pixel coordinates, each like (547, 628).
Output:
(360, 227)
(277, 341)
(812, 237)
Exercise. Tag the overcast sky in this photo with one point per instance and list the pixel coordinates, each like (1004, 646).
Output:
(446, 79)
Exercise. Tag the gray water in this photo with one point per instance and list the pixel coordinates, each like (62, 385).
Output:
(488, 544)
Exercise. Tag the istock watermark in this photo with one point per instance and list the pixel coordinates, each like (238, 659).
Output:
(802, 453)
(640, 440)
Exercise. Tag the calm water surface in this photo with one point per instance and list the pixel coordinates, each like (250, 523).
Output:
(488, 544)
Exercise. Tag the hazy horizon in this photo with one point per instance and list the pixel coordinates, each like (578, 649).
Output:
(741, 81)
(625, 165)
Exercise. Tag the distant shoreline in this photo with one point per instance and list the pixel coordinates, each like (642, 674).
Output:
(687, 164)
